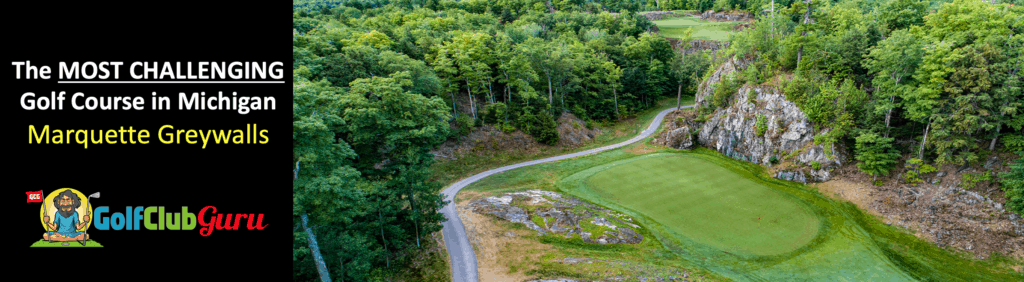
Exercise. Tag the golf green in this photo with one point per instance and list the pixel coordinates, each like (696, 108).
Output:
(709, 204)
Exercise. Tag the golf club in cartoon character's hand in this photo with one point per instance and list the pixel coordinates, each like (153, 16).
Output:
(66, 223)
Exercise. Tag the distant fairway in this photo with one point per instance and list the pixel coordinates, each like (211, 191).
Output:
(707, 30)
(709, 204)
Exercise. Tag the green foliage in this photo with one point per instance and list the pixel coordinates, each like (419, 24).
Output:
(1013, 186)
(465, 125)
(496, 114)
(902, 14)
(761, 125)
(798, 89)
(876, 154)
(815, 165)
(539, 124)
(343, 176)
(773, 160)
(915, 169)
(970, 180)
(1013, 142)
(724, 90)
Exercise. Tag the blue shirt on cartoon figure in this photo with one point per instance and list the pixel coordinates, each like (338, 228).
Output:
(66, 225)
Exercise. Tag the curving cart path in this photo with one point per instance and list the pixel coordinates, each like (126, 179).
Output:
(463, 260)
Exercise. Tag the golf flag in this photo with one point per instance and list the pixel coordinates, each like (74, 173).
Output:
(35, 196)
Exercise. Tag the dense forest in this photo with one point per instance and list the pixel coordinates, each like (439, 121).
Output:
(378, 84)
(878, 73)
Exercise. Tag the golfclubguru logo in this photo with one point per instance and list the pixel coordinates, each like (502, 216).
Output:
(157, 218)
(64, 217)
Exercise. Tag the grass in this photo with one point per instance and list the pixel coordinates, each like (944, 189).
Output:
(44, 244)
(706, 30)
(848, 244)
(708, 203)
(447, 172)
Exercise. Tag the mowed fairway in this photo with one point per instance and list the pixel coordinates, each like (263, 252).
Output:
(707, 30)
(709, 204)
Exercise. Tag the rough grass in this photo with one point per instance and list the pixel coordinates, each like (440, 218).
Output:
(706, 30)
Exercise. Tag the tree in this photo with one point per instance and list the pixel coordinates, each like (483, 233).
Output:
(876, 154)
(902, 14)
(892, 62)
(466, 58)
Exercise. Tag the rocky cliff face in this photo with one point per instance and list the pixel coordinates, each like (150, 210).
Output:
(788, 137)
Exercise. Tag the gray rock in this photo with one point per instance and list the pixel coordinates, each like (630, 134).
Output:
(680, 138)
(560, 214)
(992, 163)
(731, 130)
(940, 174)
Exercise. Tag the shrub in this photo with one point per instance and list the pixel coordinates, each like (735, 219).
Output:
(876, 154)
(815, 165)
(798, 89)
(495, 113)
(879, 183)
(1013, 186)
(917, 167)
(723, 90)
(761, 126)
(753, 75)
(971, 180)
(1013, 142)
(773, 160)
(508, 128)
(464, 124)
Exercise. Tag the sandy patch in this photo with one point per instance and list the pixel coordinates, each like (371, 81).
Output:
(857, 193)
(464, 196)
(498, 249)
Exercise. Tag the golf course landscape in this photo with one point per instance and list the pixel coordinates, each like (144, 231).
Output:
(700, 210)
(707, 30)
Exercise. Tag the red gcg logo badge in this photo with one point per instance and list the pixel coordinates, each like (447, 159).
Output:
(35, 196)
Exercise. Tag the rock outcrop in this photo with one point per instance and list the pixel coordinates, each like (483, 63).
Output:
(573, 132)
(549, 212)
(786, 143)
(729, 16)
(697, 45)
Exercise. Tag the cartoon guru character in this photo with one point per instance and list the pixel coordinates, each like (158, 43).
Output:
(66, 222)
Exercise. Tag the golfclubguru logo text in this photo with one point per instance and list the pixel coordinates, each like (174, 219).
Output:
(157, 218)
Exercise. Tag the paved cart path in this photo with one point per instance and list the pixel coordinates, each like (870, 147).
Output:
(463, 260)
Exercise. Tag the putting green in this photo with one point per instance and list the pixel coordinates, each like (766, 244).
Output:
(709, 204)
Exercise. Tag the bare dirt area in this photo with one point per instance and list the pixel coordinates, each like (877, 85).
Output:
(850, 191)
(572, 132)
(938, 208)
(498, 247)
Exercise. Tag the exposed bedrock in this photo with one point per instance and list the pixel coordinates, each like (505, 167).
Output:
(786, 145)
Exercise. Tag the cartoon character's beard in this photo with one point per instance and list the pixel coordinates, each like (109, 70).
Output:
(66, 213)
